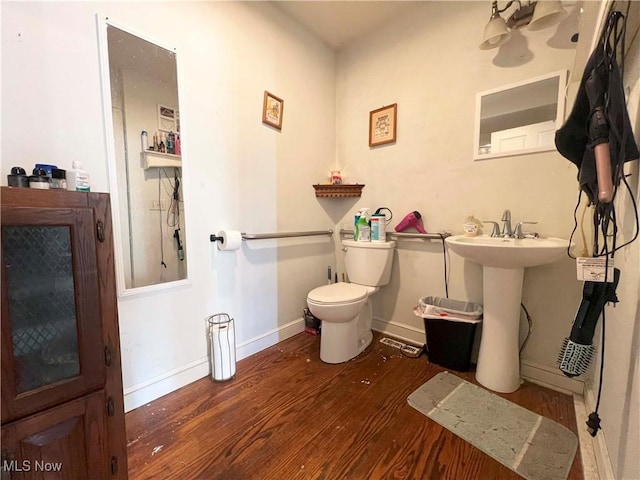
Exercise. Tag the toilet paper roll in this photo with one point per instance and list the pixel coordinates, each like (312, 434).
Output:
(231, 240)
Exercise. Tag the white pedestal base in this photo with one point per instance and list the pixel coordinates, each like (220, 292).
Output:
(499, 360)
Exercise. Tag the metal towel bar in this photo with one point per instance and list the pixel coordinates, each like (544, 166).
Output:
(426, 236)
(262, 236)
(329, 232)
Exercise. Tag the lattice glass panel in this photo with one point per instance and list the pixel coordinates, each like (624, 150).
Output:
(42, 304)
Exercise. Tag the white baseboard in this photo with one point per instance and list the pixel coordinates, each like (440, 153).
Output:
(406, 333)
(587, 452)
(269, 338)
(159, 386)
(551, 378)
(168, 382)
(598, 443)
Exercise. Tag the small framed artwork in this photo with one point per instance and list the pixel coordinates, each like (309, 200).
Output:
(168, 119)
(272, 110)
(382, 125)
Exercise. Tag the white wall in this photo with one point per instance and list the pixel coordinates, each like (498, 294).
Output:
(620, 403)
(238, 173)
(424, 63)
(241, 174)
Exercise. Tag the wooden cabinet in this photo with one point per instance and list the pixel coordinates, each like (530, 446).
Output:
(68, 440)
(62, 402)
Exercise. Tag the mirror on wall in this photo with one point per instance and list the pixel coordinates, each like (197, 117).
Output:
(142, 116)
(519, 118)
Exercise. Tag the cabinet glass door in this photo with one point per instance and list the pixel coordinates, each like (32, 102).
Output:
(51, 319)
(41, 298)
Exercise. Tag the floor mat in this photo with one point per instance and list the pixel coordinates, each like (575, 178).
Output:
(533, 446)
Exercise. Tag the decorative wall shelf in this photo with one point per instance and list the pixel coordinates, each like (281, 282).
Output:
(338, 191)
(161, 160)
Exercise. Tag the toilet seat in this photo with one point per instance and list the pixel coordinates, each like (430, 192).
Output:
(338, 293)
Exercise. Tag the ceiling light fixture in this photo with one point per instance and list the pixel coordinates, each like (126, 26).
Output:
(537, 15)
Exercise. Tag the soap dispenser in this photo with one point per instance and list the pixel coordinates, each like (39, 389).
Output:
(471, 226)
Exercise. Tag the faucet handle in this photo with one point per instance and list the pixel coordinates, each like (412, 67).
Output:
(496, 228)
(518, 232)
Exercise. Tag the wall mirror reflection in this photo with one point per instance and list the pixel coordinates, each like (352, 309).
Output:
(519, 118)
(145, 162)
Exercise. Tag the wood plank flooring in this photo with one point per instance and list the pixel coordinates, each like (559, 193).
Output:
(286, 415)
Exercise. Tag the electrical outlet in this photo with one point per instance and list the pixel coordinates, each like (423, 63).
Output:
(158, 205)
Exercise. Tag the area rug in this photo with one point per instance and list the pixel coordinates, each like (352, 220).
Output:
(529, 444)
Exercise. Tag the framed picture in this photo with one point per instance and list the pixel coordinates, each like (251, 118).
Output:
(168, 119)
(272, 110)
(382, 125)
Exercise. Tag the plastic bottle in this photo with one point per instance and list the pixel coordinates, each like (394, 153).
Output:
(78, 179)
(378, 230)
(39, 179)
(18, 178)
(364, 229)
(144, 139)
(471, 226)
(170, 143)
(59, 178)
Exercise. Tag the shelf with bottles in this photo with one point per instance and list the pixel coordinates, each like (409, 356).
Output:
(338, 191)
(155, 159)
(161, 152)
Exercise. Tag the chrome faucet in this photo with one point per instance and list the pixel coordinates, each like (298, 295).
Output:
(495, 232)
(506, 224)
(519, 233)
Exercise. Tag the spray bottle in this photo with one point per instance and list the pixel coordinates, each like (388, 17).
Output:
(363, 227)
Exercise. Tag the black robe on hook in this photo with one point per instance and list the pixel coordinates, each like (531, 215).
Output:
(573, 139)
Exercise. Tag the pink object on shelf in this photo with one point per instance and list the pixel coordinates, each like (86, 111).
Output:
(412, 219)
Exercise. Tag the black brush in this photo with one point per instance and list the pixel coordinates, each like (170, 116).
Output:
(577, 351)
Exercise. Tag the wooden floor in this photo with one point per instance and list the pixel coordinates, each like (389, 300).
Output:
(286, 415)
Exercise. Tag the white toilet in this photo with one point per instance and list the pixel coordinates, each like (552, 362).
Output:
(345, 308)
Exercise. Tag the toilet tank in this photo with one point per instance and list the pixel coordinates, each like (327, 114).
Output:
(368, 263)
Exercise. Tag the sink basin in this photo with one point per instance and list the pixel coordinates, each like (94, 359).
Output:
(503, 263)
(508, 252)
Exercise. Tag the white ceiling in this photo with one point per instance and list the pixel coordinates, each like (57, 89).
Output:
(339, 22)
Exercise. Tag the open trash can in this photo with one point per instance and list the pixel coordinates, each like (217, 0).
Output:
(450, 327)
(223, 346)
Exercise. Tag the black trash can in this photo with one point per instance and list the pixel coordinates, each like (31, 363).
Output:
(450, 328)
(449, 342)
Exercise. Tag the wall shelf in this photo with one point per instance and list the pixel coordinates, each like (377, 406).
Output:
(153, 159)
(338, 191)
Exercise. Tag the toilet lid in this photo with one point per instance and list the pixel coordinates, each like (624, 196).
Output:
(338, 293)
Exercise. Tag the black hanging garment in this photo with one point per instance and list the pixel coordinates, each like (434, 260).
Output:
(597, 137)
(599, 115)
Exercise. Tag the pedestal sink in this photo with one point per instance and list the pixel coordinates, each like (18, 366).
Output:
(503, 262)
